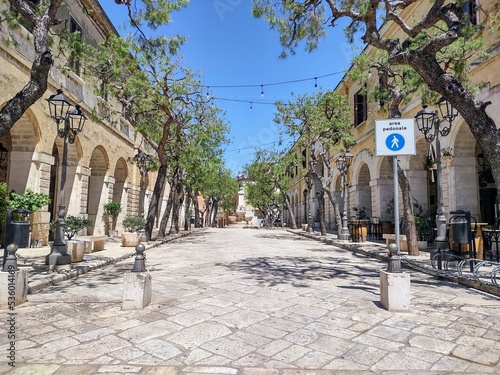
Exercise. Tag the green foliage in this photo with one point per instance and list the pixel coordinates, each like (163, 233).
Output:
(112, 209)
(269, 174)
(74, 224)
(4, 202)
(422, 223)
(361, 213)
(133, 223)
(322, 117)
(29, 200)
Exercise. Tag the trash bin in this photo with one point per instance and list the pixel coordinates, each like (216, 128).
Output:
(17, 231)
(459, 229)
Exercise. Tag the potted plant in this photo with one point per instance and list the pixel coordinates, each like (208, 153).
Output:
(422, 226)
(112, 210)
(73, 226)
(37, 222)
(132, 224)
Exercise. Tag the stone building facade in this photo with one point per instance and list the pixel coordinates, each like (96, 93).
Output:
(99, 168)
(466, 182)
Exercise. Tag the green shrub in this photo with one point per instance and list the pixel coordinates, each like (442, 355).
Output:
(133, 223)
(113, 209)
(74, 225)
(29, 200)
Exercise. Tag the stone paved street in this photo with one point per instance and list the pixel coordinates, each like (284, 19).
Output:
(248, 301)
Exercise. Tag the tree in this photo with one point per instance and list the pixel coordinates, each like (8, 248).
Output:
(438, 32)
(269, 175)
(321, 122)
(42, 17)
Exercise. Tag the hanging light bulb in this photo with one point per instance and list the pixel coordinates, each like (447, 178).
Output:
(261, 91)
(251, 106)
(315, 83)
(208, 95)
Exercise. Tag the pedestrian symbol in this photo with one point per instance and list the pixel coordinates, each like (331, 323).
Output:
(395, 142)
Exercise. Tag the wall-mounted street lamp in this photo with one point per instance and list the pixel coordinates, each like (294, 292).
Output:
(433, 128)
(343, 163)
(3, 156)
(69, 123)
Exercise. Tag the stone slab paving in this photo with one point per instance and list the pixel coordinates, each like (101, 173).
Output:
(253, 302)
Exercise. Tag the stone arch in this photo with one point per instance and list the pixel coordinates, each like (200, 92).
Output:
(383, 190)
(457, 176)
(119, 195)
(22, 141)
(361, 189)
(97, 189)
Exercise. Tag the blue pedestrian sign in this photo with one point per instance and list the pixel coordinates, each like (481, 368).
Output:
(395, 137)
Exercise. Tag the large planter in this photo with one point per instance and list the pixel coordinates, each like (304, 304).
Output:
(77, 250)
(131, 239)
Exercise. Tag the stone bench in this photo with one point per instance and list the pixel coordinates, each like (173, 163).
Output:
(391, 238)
(93, 243)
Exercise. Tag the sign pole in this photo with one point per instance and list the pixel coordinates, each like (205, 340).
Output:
(396, 202)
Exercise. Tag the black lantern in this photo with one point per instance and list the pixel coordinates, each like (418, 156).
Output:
(72, 120)
(448, 113)
(142, 160)
(425, 122)
(58, 106)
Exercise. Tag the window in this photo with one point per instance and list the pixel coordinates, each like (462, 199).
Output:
(360, 106)
(74, 59)
(304, 159)
(471, 12)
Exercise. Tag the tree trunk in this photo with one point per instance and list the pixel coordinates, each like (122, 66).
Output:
(321, 204)
(187, 217)
(336, 210)
(166, 214)
(154, 203)
(290, 211)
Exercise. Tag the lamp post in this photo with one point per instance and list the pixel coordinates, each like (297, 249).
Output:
(433, 128)
(343, 163)
(69, 123)
(142, 161)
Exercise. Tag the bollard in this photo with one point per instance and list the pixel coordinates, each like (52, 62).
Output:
(394, 284)
(140, 260)
(137, 283)
(13, 281)
(10, 261)
(394, 265)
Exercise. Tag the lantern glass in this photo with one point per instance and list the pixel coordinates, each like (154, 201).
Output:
(76, 119)
(58, 106)
(425, 120)
(448, 113)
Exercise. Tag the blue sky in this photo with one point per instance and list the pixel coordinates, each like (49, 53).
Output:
(232, 48)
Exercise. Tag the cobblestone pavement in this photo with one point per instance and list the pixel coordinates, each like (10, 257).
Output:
(248, 301)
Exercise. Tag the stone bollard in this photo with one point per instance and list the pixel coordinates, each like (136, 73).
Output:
(394, 284)
(13, 281)
(137, 283)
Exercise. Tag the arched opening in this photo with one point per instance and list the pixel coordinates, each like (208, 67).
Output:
(97, 195)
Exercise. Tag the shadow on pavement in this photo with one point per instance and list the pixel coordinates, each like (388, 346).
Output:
(298, 271)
